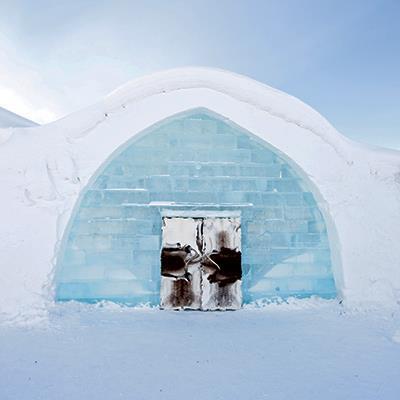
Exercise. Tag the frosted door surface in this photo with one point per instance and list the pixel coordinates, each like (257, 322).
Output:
(180, 264)
(221, 266)
(201, 264)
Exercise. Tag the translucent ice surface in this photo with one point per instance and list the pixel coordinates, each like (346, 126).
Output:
(194, 163)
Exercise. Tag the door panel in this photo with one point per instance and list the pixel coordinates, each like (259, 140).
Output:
(201, 263)
(221, 264)
(180, 264)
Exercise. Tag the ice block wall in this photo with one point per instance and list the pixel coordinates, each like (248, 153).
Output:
(194, 161)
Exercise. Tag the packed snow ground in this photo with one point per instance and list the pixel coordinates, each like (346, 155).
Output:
(304, 350)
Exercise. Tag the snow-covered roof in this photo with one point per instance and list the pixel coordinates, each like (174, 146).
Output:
(246, 90)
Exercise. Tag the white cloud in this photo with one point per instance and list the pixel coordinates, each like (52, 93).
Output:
(14, 102)
(23, 89)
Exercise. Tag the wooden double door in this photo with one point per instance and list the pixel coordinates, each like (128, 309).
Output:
(201, 263)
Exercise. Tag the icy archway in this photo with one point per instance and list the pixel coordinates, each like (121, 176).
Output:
(194, 161)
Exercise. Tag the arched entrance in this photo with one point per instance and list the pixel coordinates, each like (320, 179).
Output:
(195, 164)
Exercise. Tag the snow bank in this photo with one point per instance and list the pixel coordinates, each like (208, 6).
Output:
(44, 169)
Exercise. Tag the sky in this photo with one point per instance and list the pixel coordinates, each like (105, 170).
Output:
(342, 57)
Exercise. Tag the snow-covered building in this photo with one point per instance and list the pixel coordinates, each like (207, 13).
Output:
(196, 188)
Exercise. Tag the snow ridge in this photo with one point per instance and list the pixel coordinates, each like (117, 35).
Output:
(9, 119)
